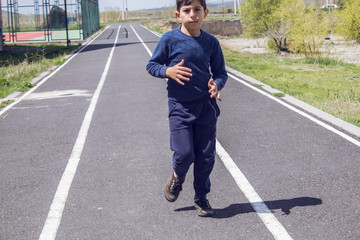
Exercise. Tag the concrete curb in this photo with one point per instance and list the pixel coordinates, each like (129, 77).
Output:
(321, 115)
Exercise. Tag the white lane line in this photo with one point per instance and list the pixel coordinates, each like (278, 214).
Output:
(270, 221)
(146, 47)
(328, 127)
(155, 33)
(57, 207)
(46, 78)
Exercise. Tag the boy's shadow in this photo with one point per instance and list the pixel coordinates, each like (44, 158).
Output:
(241, 208)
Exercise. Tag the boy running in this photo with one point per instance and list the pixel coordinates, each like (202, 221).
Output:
(193, 62)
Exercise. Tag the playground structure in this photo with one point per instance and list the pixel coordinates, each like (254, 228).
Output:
(48, 20)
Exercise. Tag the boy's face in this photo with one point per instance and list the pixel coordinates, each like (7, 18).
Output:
(191, 16)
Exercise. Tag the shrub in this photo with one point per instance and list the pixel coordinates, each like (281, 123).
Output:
(348, 20)
(288, 23)
(309, 31)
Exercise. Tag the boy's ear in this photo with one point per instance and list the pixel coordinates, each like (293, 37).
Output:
(177, 14)
(206, 12)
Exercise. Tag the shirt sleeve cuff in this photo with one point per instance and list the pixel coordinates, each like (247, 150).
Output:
(163, 71)
(219, 84)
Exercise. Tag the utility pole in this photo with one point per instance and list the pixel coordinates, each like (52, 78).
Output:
(123, 12)
(235, 7)
(223, 7)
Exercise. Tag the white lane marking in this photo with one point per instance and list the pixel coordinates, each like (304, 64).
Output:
(46, 78)
(155, 33)
(328, 127)
(270, 221)
(58, 94)
(146, 47)
(57, 207)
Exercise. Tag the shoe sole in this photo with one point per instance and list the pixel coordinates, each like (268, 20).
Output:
(203, 213)
(167, 198)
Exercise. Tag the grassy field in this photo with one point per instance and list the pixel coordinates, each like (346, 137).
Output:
(330, 85)
(20, 64)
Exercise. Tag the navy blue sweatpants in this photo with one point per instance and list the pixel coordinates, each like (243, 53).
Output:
(193, 139)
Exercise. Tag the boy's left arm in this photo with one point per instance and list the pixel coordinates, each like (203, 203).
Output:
(219, 74)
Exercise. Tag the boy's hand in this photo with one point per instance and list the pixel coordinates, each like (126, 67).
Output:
(214, 93)
(179, 73)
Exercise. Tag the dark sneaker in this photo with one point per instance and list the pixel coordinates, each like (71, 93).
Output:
(203, 208)
(173, 188)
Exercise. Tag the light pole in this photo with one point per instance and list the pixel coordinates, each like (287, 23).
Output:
(234, 7)
(123, 12)
(223, 7)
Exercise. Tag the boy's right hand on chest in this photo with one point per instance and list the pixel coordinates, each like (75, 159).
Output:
(179, 73)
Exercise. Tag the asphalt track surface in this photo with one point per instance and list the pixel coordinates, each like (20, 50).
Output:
(85, 155)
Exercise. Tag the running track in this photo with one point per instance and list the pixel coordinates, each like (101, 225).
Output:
(84, 155)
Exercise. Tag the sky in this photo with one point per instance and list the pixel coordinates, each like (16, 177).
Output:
(136, 4)
(139, 4)
(131, 4)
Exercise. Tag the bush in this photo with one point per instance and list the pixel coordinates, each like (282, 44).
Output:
(289, 23)
(309, 31)
(348, 20)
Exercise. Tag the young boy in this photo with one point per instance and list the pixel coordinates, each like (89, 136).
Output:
(193, 62)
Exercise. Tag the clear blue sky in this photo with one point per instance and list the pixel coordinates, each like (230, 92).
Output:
(142, 4)
(136, 4)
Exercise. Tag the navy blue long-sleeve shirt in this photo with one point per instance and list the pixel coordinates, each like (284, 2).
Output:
(203, 55)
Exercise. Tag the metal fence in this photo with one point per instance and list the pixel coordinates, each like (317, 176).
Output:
(90, 17)
(49, 20)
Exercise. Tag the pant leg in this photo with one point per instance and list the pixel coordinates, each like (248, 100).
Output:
(181, 138)
(204, 148)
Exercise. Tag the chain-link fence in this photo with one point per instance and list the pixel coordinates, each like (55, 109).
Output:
(49, 20)
(90, 17)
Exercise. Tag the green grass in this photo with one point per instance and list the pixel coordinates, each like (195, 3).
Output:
(325, 83)
(278, 94)
(4, 103)
(20, 64)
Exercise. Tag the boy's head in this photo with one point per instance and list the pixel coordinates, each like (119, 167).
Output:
(191, 14)
(180, 3)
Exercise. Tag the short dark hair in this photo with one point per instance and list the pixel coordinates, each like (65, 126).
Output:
(180, 3)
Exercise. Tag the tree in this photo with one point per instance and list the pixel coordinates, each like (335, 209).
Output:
(288, 23)
(348, 20)
(257, 15)
(271, 18)
(309, 32)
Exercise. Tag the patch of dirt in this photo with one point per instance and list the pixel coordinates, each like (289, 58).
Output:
(335, 47)
(347, 51)
(258, 46)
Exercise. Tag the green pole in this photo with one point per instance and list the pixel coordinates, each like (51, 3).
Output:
(67, 25)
